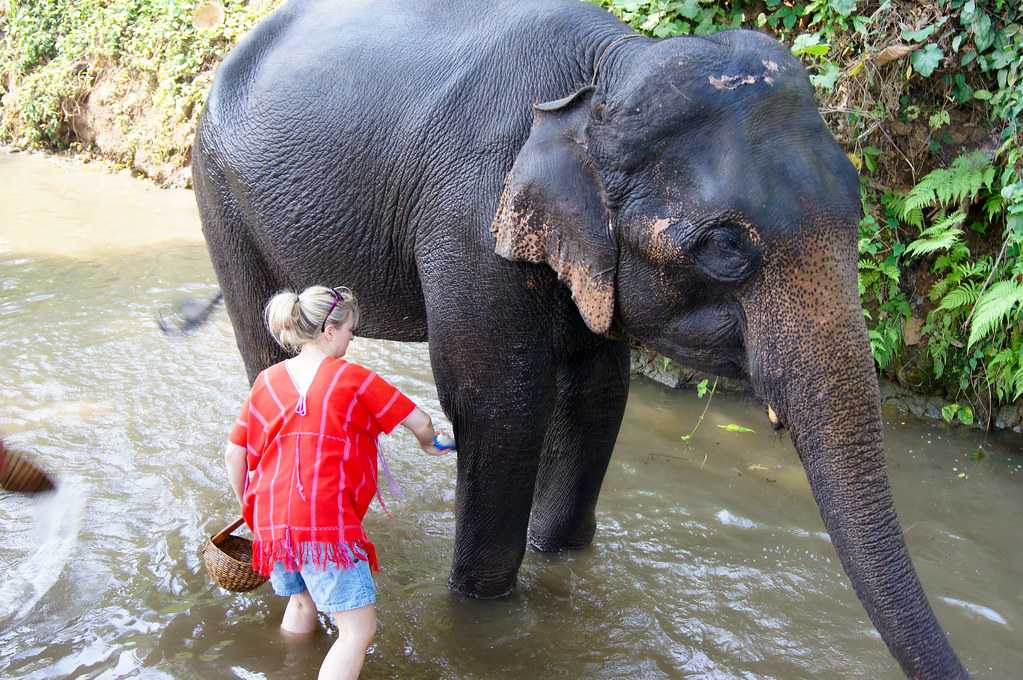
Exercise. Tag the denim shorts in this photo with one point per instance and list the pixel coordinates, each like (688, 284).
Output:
(333, 588)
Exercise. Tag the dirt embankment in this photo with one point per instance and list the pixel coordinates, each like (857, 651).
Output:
(116, 113)
(118, 120)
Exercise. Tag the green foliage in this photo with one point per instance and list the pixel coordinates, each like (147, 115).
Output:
(952, 411)
(963, 181)
(978, 294)
(880, 275)
(994, 308)
(940, 236)
(701, 390)
(927, 60)
(886, 339)
(53, 50)
(733, 427)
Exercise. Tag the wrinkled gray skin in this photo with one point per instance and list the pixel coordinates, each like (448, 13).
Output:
(692, 200)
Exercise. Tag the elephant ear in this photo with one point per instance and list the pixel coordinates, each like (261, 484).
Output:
(552, 209)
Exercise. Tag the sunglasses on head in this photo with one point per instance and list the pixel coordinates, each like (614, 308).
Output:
(339, 297)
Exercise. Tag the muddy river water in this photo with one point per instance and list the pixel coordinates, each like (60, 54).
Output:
(710, 559)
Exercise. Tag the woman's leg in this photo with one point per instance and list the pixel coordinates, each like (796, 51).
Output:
(355, 630)
(300, 616)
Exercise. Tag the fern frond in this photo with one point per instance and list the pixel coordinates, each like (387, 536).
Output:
(914, 218)
(953, 220)
(993, 207)
(972, 270)
(941, 236)
(1017, 384)
(993, 308)
(939, 288)
(939, 356)
(968, 175)
(962, 296)
(923, 246)
(955, 255)
(923, 194)
(944, 187)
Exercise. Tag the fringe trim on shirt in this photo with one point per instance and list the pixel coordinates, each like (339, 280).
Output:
(295, 554)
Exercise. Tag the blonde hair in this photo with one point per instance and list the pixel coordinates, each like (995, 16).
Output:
(295, 319)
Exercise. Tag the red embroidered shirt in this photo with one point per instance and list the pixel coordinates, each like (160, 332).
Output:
(313, 461)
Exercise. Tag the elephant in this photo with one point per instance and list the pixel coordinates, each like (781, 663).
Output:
(529, 186)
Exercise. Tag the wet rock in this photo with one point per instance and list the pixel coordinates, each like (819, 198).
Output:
(663, 370)
(1009, 417)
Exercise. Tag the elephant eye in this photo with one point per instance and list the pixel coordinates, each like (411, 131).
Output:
(724, 255)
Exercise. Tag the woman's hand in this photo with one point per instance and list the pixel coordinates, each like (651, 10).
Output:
(421, 425)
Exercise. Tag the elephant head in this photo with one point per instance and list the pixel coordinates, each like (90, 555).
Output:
(694, 199)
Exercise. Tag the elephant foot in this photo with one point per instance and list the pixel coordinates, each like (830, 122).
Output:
(481, 587)
(487, 572)
(546, 545)
(550, 539)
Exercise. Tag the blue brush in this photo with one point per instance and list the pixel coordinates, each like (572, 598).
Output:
(444, 443)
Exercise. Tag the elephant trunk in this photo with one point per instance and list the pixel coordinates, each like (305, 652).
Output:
(850, 484)
(824, 388)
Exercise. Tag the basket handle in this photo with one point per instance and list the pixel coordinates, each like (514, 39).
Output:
(226, 531)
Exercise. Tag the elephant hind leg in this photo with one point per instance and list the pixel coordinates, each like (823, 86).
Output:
(592, 390)
(245, 279)
(246, 296)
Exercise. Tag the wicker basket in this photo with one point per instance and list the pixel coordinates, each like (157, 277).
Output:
(21, 475)
(229, 560)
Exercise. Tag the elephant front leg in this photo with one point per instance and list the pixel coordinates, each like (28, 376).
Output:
(499, 415)
(591, 393)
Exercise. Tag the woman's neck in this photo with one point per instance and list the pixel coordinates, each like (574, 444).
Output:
(311, 352)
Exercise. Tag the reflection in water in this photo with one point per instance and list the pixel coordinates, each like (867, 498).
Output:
(710, 560)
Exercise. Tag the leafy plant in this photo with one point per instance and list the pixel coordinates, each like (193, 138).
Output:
(942, 235)
(952, 411)
(994, 308)
(701, 390)
(732, 427)
(961, 182)
(53, 50)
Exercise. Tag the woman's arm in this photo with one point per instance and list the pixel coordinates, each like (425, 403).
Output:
(234, 461)
(421, 425)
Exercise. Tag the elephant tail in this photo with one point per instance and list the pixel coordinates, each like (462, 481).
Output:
(188, 314)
